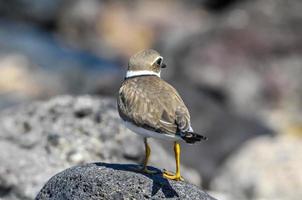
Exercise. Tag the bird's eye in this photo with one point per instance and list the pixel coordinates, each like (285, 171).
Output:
(159, 61)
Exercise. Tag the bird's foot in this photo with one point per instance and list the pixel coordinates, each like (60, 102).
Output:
(172, 176)
(144, 169)
(148, 171)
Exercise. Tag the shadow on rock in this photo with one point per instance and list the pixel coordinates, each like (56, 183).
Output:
(158, 181)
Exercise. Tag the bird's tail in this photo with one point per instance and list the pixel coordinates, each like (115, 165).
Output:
(191, 137)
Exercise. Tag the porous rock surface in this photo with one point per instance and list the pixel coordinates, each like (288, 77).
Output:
(43, 138)
(115, 181)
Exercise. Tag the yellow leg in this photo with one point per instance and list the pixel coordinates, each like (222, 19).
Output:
(175, 176)
(148, 152)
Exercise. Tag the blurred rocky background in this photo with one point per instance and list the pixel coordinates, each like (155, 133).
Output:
(236, 63)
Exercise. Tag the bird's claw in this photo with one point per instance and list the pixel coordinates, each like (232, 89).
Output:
(144, 170)
(148, 171)
(172, 176)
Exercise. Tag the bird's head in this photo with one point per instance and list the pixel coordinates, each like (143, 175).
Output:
(146, 61)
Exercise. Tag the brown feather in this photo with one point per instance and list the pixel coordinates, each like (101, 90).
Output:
(152, 103)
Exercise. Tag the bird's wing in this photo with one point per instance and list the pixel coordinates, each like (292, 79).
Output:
(152, 103)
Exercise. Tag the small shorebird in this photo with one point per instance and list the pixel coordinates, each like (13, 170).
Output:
(151, 107)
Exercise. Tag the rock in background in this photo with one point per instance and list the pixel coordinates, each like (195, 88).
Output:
(40, 139)
(35, 64)
(264, 168)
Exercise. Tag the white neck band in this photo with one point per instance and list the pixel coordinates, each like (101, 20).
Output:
(141, 73)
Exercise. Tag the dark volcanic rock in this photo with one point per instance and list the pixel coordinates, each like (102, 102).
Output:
(115, 181)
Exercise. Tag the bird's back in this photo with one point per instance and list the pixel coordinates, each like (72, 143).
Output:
(152, 103)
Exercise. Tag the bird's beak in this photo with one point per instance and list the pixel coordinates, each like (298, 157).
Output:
(163, 65)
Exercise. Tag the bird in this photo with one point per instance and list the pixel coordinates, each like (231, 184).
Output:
(151, 107)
